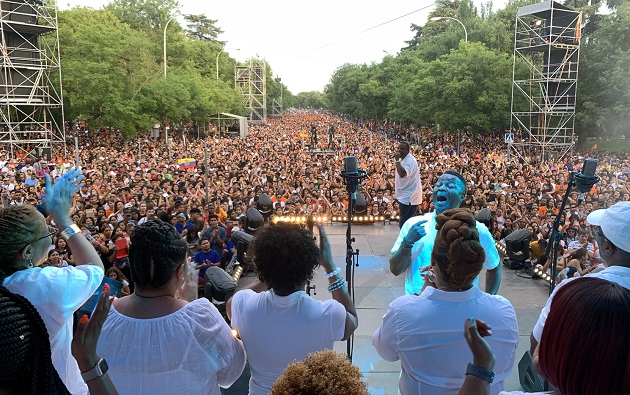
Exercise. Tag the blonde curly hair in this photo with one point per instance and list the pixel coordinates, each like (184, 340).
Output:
(322, 373)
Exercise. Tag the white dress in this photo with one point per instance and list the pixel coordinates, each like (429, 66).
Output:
(191, 351)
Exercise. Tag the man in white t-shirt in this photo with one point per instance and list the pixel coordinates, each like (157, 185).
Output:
(612, 231)
(407, 183)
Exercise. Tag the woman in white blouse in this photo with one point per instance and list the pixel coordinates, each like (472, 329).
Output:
(156, 343)
(424, 331)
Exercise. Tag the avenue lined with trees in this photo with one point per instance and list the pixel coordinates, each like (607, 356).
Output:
(112, 64)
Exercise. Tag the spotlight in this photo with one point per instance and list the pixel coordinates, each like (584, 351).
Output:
(517, 248)
(264, 205)
(324, 219)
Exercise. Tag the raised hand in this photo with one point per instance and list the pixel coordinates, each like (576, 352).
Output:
(416, 232)
(58, 198)
(325, 255)
(474, 332)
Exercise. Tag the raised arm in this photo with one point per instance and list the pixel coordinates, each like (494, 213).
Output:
(57, 202)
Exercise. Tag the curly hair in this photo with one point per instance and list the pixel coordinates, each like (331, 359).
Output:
(322, 373)
(155, 253)
(18, 224)
(25, 361)
(286, 257)
(457, 251)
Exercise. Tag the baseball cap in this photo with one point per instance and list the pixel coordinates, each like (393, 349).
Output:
(615, 224)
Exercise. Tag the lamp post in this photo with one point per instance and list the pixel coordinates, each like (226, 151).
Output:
(166, 26)
(219, 54)
(439, 18)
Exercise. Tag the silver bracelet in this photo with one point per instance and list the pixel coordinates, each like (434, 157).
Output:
(333, 273)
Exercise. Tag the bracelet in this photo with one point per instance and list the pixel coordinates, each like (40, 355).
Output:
(70, 231)
(405, 244)
(333, 273)
(338, 284)
(482, 373)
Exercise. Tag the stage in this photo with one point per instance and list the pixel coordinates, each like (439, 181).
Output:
(375, 287)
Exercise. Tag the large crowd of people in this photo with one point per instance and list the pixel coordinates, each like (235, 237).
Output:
(140, 211)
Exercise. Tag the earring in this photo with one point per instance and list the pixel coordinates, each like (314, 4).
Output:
(30, 264)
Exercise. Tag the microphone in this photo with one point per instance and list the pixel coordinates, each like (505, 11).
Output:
(586, 178)
(350, 165)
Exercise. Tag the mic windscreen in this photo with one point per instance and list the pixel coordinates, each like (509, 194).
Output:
(350, 165)
(589, 167)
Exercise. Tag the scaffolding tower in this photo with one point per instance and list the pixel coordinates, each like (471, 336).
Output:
(251, 80)
(547, 40)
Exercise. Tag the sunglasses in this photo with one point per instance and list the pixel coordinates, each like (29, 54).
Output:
(51, 232)
(597, 231)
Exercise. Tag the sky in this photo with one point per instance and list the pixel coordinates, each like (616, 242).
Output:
(304, 42)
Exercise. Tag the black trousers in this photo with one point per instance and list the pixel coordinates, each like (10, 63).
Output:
(406, 211)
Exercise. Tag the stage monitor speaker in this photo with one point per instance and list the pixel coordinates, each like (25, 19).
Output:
(360, 207)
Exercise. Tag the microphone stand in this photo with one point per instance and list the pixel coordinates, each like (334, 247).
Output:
(351, 181)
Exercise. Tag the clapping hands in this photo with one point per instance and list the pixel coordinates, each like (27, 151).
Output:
(58, 198)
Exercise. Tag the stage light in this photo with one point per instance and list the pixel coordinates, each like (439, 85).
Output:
(324, 219)
(264, 205)
(517, 249)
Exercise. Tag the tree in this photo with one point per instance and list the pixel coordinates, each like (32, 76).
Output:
(470, 89)
(603, 93)
(104, 69)
(200, 27)
(147, 15)
(312, 99)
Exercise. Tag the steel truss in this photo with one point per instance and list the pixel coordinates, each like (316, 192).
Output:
(252, 81)
(29, 92)
(547, 41)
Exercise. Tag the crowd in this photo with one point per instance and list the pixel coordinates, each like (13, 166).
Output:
(137, 213)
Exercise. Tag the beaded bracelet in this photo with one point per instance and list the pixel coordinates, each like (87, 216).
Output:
(333, 273)
(405, 244)
(338, 284)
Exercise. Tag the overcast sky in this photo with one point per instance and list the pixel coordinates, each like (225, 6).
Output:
(305, 41)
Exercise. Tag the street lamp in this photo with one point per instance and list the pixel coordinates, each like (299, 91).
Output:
(165, 26)
(439, 18)
(219, 54)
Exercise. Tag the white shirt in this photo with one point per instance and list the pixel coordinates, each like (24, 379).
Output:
(191, 351)
(615, 274)
(409, 189)
(426, 333)
(56, 292)
(421, 251)
(278, 330)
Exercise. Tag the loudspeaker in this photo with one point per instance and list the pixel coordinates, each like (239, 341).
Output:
(360, 207)
(527, 376)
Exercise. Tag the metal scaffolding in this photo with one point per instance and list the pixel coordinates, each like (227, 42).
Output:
(29, 92)
(252, 81)
(547, 41)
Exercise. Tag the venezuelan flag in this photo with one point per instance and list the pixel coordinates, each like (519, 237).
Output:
(186, 163)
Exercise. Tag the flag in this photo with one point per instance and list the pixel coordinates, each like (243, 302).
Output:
(186, 163)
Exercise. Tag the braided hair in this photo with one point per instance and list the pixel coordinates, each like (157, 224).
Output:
(18, 224)
(457, 251)
(25, 362)
(155, 253)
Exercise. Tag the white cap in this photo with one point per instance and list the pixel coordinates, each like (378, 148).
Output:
(615, 224)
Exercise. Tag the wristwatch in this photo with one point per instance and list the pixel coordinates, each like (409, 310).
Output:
(70, 231)
(97, 371)
(480, 372)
